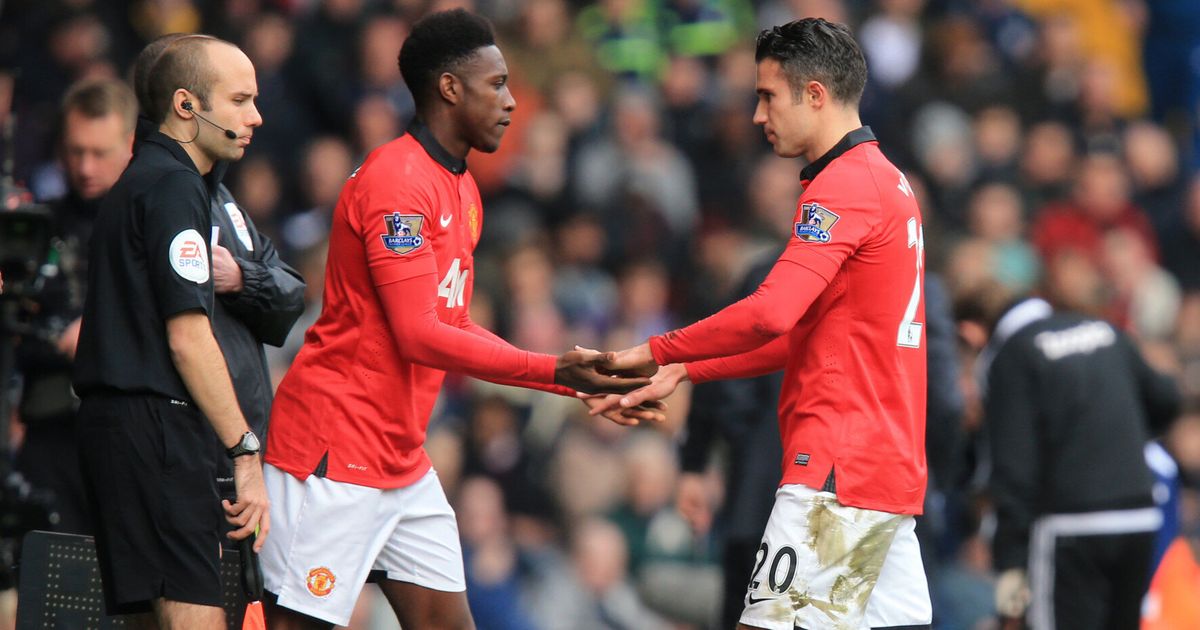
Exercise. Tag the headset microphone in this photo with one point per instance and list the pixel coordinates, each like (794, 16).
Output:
(187, 105)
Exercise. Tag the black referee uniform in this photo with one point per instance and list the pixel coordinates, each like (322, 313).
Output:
(1070, 404)
(146, 448)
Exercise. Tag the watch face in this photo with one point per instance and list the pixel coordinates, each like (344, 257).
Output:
(250, 442)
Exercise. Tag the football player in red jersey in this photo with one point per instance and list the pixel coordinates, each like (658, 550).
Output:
(353, 488)
(841, 312)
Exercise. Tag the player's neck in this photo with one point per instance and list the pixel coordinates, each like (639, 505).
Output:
(446, 133)
(838, 122)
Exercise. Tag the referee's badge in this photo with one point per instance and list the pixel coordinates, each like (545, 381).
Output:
(403, 232)
(189, 257)
(818, 221)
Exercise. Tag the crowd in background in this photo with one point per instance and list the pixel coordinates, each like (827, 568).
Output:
(1051, 143)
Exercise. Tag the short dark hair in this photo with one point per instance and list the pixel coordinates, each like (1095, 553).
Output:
(813, 49)
(440, 42)
(183, 63)
(144, 63)
(97, 98)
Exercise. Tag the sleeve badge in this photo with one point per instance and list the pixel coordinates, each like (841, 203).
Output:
(818, 221)
(403, 232)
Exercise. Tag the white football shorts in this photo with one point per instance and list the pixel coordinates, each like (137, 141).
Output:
(326, 536)
(825, 565)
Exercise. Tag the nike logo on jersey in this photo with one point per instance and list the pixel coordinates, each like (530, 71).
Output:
(752, 600)
(445, 220)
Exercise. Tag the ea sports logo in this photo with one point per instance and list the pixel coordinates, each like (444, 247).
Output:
(320, 581)
(188, 256)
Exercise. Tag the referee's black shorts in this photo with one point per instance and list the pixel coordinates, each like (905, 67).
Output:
(150, 469)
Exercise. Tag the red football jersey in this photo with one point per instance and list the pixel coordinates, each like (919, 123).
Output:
(358, 393)
(853, 398)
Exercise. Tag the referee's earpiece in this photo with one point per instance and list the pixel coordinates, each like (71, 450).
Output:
(229, 133)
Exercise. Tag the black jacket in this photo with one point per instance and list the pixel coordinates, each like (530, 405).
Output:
(1069, 404)
(271, 300)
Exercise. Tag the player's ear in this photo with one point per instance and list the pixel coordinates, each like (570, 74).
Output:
(815, 94)
(450, 88)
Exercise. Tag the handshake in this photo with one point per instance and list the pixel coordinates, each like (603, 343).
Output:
(626, 387)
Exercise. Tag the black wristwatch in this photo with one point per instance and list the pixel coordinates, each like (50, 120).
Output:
(248, 445)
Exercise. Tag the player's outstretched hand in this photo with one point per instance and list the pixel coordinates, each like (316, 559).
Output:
(649, 411)
(635, 361)
(251, 513)
(577, 369)
(662, 384)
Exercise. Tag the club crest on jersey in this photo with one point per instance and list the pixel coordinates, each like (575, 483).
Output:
(818, 221)
(403, 232)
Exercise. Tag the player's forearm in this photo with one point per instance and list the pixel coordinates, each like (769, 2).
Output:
(765, 359)
(201, 365)
(480, 331)
(765, 315)
(422, 338)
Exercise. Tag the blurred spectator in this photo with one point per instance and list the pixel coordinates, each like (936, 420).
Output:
(997, 131)
(97, 121)
(380, 39)
(624, 34)
(1100, 202)
(1170, 43)
(1153, 164)
(1146, 298)
(376, 122)
(1047, 164)
(327, 164)
(545, 47)
(326, 61)
(997, 216)
(892, 40)
(489, 557)
(594, 593)
(270, 44)
(259, 190)
(586, 294)
(1181, 248)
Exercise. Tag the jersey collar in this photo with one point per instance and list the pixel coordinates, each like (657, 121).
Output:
(212, 180)
(849, 141)
(420, 131)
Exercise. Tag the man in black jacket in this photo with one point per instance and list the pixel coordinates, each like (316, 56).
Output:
(97, 123)
(1069, 404)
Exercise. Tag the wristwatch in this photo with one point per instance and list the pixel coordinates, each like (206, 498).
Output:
(248, 445)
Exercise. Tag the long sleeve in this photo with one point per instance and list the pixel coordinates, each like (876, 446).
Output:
(1012, 430)
(765, 315)
(765, 359)
(272, 296)
(411, 310)
(480, 331)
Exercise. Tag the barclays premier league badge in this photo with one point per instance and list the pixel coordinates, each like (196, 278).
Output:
(403, 232)
(818, 221)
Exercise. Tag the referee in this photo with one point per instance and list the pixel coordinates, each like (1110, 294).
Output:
(1069, 405)
(152, 379)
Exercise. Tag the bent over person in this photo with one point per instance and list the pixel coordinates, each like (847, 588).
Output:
(346, 465)
(150, 374)
(842, 314)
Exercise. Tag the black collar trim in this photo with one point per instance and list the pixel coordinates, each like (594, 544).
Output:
(849, 141)
(214, 177)
(420, 131)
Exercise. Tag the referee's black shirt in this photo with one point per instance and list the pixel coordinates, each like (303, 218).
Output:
(150, 258)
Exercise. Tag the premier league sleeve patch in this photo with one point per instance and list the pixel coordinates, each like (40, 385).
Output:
(403, 232)
(818, 221)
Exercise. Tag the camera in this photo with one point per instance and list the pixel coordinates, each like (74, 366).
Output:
(25, 235)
